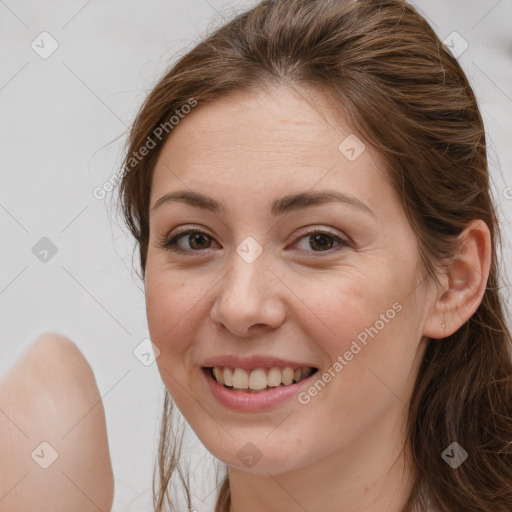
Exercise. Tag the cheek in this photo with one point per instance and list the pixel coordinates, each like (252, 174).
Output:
(342, 308)
(169, 303)
(367, 321)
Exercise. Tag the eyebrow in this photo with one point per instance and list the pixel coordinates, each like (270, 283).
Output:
(279, 207)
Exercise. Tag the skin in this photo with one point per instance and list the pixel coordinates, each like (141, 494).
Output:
(51, 395)
(342, 450)
(314, 456)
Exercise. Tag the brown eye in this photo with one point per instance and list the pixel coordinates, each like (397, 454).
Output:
(321, 241)
(197, 241)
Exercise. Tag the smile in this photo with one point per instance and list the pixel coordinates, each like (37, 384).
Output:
(253, 390)
(259, 380)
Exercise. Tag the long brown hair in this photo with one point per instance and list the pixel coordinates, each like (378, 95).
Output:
(407, 96)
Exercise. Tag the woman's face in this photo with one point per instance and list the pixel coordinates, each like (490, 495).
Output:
(276, 282)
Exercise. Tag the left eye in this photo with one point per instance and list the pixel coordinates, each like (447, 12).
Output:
(199, 240)
(321, 239)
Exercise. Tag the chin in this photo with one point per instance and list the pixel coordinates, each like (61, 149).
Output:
(256, 455)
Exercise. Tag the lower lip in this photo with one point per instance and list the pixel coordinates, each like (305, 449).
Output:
(246, 401)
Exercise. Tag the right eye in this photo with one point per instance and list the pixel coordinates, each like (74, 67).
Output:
(200, 238)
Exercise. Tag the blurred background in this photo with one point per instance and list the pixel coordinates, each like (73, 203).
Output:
(72, 77)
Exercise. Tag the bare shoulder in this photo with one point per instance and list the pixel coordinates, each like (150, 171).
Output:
(53, 438)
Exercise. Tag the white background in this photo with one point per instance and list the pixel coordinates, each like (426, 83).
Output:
(62, 124)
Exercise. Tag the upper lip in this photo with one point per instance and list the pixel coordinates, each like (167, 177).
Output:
(253, 362)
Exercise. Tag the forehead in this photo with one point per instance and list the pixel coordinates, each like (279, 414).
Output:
(258, 144)
(287, 120)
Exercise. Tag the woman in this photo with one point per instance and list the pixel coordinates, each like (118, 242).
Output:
(309, 191)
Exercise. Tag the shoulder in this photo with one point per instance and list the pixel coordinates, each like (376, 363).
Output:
(53, 437)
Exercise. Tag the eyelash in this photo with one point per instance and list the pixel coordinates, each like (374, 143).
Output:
(171, 243)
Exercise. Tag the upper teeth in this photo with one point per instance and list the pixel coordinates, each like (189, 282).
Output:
(260, 378)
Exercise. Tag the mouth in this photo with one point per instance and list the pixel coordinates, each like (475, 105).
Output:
(258, 380)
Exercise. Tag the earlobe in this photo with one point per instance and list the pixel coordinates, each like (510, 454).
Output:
(464, 284)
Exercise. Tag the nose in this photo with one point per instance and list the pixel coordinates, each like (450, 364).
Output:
(249, 299)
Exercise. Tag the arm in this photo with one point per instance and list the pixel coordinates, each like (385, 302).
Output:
(51, 397)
